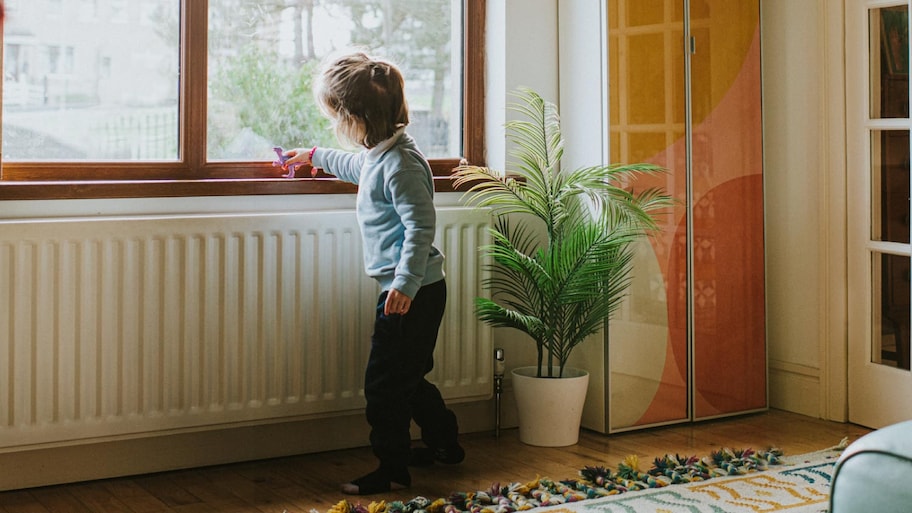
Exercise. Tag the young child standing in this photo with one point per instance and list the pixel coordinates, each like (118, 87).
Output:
(365, 99)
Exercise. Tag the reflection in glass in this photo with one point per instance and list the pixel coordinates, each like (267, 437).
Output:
(890, 185)
(889, 45)
(80, 85)
(262, 59)
(891, 306)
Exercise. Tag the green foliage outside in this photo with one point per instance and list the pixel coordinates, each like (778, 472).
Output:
(273, 98)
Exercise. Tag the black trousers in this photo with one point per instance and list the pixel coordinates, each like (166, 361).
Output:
(402, 349)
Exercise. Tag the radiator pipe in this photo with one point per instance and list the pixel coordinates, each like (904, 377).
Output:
(498, 387)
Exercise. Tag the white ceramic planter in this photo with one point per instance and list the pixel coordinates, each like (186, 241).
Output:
(549, 409)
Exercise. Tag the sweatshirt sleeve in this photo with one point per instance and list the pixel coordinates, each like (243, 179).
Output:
(414, 202)
(344, 165)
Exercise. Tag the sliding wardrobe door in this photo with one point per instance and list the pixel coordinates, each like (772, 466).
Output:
(729, 336)
(647, 339)
(684, 93)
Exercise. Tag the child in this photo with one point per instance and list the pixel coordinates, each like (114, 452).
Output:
(365, 100)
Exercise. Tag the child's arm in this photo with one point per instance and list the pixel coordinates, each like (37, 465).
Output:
(414, 202)
(343, 165)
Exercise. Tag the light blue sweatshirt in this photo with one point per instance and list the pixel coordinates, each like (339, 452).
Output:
(395, 210)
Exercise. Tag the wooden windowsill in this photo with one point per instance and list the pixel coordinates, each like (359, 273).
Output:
(98, 189)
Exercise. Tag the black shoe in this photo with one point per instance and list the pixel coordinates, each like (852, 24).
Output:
(425, 456)
(378, 481)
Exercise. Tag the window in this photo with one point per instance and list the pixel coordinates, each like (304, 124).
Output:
(96, 105)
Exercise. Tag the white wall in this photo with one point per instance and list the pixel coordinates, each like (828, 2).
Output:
(522, 51)
(792, 189)
(804, 176)
(583, 66)
(791, 82)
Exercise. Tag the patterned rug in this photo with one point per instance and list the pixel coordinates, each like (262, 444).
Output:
(727, 481)
(799, 484)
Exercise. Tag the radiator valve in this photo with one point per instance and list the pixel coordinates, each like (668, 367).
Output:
(498, 387)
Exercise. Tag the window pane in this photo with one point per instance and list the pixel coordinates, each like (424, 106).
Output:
(91, 81)
(264, 54)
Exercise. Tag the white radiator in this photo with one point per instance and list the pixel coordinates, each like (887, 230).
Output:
(127, 326)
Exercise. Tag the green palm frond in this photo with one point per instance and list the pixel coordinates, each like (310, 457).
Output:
(560, 256)
(498, 316)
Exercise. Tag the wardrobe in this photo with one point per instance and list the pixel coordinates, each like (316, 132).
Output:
(676, 83)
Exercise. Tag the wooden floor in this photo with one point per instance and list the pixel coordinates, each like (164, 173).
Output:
(311, 482)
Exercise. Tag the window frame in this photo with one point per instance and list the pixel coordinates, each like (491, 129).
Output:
(90, 180)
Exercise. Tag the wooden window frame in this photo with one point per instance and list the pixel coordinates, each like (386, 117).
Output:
(35, 181)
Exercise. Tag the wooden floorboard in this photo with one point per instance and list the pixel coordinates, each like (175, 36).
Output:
(304, 483)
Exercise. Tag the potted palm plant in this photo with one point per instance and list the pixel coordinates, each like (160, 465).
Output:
(561, 255)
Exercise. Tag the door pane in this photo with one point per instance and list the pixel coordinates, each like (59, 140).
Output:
(890, 340)
(86, 81)
(889, 46)
(890, 185)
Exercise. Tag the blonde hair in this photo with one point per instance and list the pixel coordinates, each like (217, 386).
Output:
(364, 97)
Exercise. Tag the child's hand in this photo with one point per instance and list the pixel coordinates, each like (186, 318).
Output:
(292, 159)
(396, 303)
(299, 157)
(282, 162)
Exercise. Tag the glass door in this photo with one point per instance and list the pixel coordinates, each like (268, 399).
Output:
(877, 89)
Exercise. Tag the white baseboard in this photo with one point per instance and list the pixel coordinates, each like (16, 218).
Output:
(794, 388)
(101, 459)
